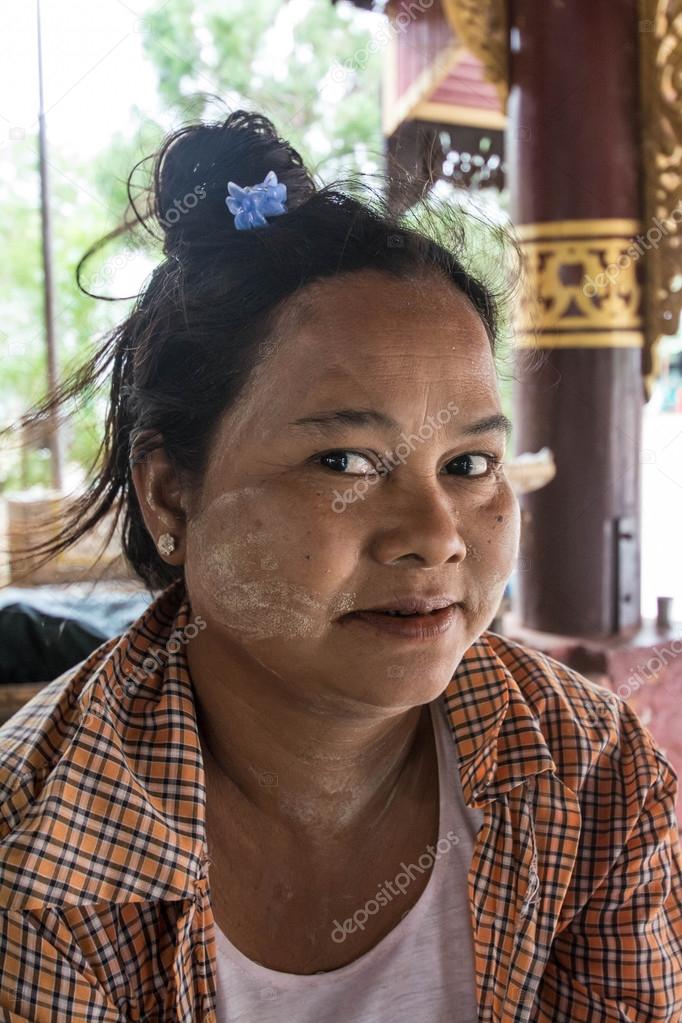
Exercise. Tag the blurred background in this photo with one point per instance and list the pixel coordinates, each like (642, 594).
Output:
(117, 76)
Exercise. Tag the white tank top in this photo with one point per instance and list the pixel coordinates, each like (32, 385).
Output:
(421, 970)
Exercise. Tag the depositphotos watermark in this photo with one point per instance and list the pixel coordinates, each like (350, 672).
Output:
(151, 663)
(106, 273)
(592, 286)
(153, 660)
(653, 667)
(182, 206)
(359, 918)
(407, 13)
(360, 488)
(642, 676)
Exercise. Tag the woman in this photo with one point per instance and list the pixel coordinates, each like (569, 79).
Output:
(308, 782)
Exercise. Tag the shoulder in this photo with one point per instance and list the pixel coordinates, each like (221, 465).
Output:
(87, 766)
(592, 733)
(91, 961)
(37, 736)
(608, 765)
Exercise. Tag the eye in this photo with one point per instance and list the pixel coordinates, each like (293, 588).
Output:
(472, 465)
(475, 464)
(342, 460)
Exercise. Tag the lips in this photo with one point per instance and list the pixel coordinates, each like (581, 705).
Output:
(405, 614)
(414, 625)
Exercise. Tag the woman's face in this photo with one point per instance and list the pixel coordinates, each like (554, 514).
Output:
(294, 528)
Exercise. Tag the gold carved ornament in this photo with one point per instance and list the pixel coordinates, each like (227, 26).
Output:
(581, 285)
(482, 26)
(660, 43)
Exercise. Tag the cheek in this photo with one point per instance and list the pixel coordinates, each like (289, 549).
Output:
(263, 571)
(493, 537)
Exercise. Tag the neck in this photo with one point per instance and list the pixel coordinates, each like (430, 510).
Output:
(318, 772)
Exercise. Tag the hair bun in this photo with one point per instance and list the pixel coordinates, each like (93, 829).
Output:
(195, 163)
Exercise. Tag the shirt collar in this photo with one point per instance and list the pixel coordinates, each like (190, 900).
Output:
(498, 738)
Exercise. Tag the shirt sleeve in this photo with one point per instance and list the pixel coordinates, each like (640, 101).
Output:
(620, 958)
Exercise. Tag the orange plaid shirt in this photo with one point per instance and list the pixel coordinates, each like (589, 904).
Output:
(575, 886)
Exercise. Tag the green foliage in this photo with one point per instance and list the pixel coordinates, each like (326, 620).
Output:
(200, 49)
(313, 67)
(303, 64)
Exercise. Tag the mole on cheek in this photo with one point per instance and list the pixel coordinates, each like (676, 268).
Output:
(500, 518)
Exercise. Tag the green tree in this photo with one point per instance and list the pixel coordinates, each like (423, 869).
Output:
(313, 67)
(305, 65)
(308, 65)
(81, 211)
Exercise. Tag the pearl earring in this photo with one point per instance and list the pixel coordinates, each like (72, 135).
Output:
(166, 544)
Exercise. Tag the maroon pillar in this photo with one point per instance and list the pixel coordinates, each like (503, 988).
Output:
(573, 156)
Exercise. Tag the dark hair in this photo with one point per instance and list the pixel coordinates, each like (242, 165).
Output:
(202, 322)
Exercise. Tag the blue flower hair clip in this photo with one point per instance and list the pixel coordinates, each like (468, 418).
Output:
(253, 203)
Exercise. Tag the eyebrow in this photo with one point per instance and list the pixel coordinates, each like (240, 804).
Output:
(336, 419)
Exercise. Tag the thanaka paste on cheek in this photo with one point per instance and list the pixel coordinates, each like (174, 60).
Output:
(241, 580)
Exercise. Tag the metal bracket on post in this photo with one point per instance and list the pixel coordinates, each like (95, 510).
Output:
(626, 610)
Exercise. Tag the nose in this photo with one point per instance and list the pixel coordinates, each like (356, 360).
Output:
(424, 526)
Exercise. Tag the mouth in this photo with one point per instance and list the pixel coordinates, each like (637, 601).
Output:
(408, 625)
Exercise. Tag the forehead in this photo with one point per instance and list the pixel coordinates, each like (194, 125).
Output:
(423, 327)
(374, 337)
(372, 301)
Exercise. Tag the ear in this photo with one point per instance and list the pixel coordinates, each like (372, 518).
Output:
(162, 500)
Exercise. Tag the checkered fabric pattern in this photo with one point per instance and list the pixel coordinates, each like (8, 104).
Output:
(575, 886)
